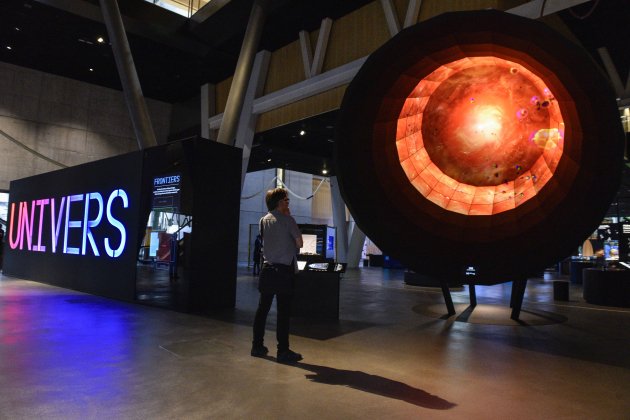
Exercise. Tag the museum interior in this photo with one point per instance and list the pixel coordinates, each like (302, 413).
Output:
(458, 171)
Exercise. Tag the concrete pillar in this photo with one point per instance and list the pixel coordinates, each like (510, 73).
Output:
(357, 239)
(246, 128)
(128, 76)
(236, 97)
(339, 220)
(208, 108)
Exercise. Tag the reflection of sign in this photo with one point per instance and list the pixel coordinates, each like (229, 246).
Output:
(166, 192)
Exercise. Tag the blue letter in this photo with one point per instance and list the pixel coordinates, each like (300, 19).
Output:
(87, 224)
(55, 230)
(116, 223)
(71, 224)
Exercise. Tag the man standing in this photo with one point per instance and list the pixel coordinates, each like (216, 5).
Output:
(282, 240)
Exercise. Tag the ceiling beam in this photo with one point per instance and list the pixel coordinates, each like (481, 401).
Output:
(536, 9)
(331, 79)
(345, 73)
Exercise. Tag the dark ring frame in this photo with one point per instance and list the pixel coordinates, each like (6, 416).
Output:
(501, 247)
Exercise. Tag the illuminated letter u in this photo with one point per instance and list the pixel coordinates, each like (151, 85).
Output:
(14, 244)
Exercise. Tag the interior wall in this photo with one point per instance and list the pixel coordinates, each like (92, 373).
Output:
(66, 120)
(322, 203)
(252, 209)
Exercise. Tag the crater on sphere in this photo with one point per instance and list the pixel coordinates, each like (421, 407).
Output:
(478, 124)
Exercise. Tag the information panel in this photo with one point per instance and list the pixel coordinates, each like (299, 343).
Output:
(166, 191)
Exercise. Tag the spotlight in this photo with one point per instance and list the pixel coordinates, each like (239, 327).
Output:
(91, 69)
(324, 171)
(302, 132)
(9, 47)
(100, 39)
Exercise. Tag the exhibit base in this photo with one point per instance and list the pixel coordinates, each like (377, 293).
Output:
(607, 287)
(516, 300)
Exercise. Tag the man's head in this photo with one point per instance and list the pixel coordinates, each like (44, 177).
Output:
(277, 199)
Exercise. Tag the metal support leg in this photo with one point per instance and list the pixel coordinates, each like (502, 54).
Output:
(447, 297)
(518, 292)
(473, 294)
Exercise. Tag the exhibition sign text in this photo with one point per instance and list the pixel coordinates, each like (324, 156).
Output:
(89, 224)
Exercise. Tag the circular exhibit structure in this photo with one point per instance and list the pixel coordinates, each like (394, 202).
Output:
(479, 147)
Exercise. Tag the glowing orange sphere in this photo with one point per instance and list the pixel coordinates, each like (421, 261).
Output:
(480, 135)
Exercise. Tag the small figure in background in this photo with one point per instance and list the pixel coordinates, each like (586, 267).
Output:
(257, 254)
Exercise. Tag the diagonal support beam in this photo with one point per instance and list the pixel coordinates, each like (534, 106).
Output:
(413, 9)
(320, 48)
(391, 17)
(613, 74)
(538, 8)
(132, 90)
(234, 104)
(331, 79)
(247, 121)
(307, 53)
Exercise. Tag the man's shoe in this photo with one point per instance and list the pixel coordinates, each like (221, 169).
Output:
(259, 351)
(288, 356)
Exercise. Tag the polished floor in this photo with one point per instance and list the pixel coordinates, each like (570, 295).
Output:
(392, 355)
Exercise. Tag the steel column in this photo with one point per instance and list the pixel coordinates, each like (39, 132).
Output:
(128, 75)
(236, 97)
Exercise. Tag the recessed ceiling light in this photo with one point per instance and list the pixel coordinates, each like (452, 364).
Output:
(91, 69)
(9, 47)
(16, 28)
(331, 140)
(324, 171)
(302, 132)
(100, 39)
(269, 160)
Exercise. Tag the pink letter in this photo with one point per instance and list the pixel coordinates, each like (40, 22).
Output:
(42, 204)
(55, 227)
(14, 244)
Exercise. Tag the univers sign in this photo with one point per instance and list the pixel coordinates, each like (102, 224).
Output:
(74, 223)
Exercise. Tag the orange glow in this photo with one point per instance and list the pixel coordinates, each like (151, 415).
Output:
(480, 136)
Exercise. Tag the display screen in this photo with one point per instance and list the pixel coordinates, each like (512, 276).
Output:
(166, 192)
(309, 245)
(480, 136)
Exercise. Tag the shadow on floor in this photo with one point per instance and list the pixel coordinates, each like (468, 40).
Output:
(376, 385)
(303, 327)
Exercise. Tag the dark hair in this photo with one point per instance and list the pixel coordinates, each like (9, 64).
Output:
(273, 197)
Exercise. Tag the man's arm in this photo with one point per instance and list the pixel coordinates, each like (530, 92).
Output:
(297, 234)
